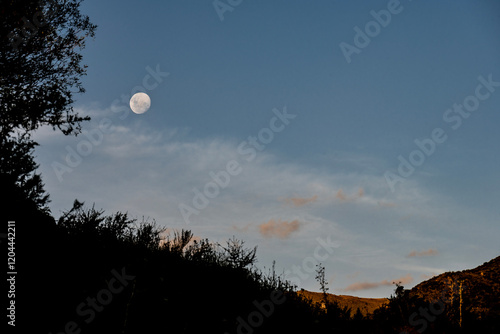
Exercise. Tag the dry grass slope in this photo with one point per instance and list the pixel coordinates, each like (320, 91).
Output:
(365, 305)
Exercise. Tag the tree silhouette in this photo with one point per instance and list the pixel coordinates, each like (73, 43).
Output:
(17, 167)
(320, 277)
(237, 256)
(41, 63)
(40, 70)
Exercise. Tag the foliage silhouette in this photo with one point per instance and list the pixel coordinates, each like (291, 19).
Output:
(41, 63)
(184, 285)
(18, 166)
(193, 285)
(320, 277)
(40, 72)
(177, 284)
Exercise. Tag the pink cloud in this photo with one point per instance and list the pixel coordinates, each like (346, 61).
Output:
(280, 229)
(340, 195)
(298, 201)
(343, 197)
(241, 229)
(429, 252)
(372, 285)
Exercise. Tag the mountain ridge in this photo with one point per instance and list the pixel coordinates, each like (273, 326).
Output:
(479, 289)
(365, 305)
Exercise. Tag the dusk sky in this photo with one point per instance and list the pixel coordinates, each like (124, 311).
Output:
(369, 127)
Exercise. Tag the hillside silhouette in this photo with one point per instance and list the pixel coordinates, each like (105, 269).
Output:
(480, 290)
(111, 274)
(366, 305)
(89, 272)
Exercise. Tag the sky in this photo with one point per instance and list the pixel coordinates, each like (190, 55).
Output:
(359, 135)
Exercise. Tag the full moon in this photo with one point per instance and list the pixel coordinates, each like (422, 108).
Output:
(140, 103)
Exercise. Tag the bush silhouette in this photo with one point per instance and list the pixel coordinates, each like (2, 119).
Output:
(178, 284)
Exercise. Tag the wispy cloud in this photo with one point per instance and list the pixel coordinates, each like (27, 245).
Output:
(298, 201)
(341, 196)
(165, 165)
(280, 229)
(241, 229)
(372, 285)
(429, 252)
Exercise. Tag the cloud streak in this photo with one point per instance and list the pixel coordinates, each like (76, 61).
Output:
(298, 201)
(372, 285)
(429, 252)
(280, 229)
(163, 165)
(341, 196)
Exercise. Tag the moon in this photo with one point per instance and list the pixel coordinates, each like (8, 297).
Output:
(140, 103)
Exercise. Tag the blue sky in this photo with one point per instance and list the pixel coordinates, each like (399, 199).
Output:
(324, 173)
